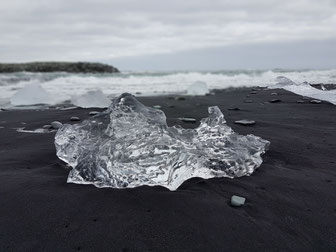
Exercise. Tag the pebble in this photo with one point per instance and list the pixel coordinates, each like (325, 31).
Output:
(75, 118)
(248, 101)
(234, 108)
(253, 92)
(171, 106)
(237, 201)
(274, 93)
(300, 101)
(315, 101)
(275, 100)
(245, 122)
(180, 98)
(92, 113)
(188, 119)
(56, 124)
(157, 106)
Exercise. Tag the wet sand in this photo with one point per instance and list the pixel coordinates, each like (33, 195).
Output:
(290, 202)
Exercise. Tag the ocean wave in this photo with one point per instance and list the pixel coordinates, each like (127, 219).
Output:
(62, 86)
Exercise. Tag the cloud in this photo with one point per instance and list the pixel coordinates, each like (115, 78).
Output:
(105, 29)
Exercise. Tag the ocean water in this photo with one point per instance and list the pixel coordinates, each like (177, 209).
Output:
(62, 86)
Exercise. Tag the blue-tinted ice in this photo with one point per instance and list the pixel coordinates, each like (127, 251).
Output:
(130, 145)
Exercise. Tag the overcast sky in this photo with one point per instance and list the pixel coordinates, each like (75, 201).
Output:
(172, 35)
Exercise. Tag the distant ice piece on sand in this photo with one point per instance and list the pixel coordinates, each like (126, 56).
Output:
(305, 89)
(198, 88)
(91, 99)
(31, 94)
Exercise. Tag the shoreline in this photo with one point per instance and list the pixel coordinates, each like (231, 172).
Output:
(289, 199)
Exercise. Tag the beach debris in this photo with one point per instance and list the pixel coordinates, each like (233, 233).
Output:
(75, 118)
(157, 106)
(91, 99)
(274, 93)
(300, 101)
(248, 101)
(198, 88)
(234, 108)
(131, 145)
(187, 119)
(30, 94)
(245, 122)
(275, 101)
(93, 113)
(315, 101)
(237, 201)
(56, 124)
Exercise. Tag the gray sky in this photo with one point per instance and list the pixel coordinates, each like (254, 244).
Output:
(172, 35)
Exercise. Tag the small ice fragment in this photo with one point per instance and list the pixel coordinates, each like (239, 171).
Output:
(198, 88)
(274, 93)
(74, 118)
(237, 201)
(93, 113)
(275, 100)
(315, 101)
(245, 122)
(69, 108)
(157, 106)
(31, 94)
(56, 124)
(187, 119)
(94, 98)
(47, 126)
(39, 131)
(253, 92)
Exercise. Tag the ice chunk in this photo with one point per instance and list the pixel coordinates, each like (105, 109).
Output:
(31, 94)
(237, 201)
(93, 98)
(130, 145)
(305, 89)
(198, 88)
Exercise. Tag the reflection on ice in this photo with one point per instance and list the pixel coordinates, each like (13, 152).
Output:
(130, 145)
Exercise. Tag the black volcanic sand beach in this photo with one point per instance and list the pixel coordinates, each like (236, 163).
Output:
(290, 202)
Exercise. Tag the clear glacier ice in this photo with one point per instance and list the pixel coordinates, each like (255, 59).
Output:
(130, 145)
(30, 94)
(198, 88)
(91, 99)
(305, 89)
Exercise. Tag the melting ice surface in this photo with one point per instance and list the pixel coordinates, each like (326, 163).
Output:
(31, 94)
(130, 145)
(305, 89)
(93, 98)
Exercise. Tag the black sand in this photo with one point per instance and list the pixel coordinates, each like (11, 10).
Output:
(290, 203)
